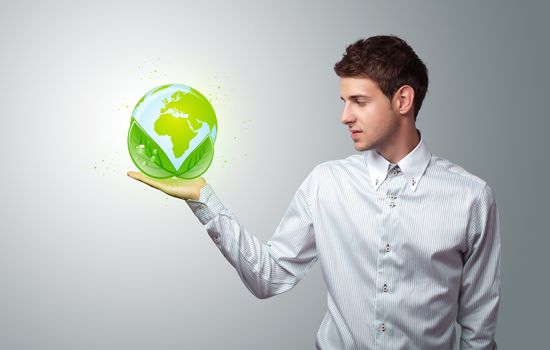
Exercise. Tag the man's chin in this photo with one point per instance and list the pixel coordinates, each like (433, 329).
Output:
(361, 147)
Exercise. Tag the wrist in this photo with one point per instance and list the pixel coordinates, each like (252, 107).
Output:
(197, 193)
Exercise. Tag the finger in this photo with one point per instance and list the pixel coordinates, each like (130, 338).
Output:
(145, 179)
(134, 174)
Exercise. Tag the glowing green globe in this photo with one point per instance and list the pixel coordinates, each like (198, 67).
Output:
(172, 132)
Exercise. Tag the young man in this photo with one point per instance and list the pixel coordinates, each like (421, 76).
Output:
(408, 242)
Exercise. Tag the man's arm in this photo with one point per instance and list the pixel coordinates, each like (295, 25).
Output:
(480, 290)
(266, 269)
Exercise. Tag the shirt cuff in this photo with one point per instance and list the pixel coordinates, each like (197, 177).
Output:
(207, 206)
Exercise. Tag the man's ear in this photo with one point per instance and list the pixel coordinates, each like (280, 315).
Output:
(404, 99)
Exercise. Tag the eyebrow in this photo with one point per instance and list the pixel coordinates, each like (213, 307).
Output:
(355, 97)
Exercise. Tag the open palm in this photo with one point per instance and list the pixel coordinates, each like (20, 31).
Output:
(175, 187)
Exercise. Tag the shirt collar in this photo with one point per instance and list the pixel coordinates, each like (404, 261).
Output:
(413, 165)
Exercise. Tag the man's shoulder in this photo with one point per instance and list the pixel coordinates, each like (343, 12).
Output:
(454, 169)
(352, 160)
(338, 168)
(459, 176)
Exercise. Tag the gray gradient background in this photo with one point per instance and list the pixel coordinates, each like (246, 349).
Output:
(91, 259)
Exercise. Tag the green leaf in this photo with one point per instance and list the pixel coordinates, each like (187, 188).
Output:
(147, 154)
(198, 161)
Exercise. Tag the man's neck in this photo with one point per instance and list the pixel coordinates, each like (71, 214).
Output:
(398, 150)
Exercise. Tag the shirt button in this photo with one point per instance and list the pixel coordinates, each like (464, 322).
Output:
(387, 248)
(385, 288)
(382, 327)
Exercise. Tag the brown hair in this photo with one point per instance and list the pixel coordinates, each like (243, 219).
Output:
(390, 62)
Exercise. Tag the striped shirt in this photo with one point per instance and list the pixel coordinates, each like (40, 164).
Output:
(406, 250)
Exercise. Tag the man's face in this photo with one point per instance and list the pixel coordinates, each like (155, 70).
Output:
(368, 114)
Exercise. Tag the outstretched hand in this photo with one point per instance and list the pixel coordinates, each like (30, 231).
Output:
(175, 187)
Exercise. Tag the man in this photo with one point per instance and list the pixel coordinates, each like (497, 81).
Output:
(408, 242)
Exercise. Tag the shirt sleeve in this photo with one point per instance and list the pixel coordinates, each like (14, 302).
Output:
(266, 269)
(480, 289)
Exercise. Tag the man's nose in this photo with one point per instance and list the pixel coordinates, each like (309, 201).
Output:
(347, 117)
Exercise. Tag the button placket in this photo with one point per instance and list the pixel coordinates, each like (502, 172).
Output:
(392, 199)
(393, 188)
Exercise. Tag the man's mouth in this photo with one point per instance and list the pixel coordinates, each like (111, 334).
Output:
(354, 133)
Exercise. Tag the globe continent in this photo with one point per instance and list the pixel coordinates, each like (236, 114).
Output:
(172, 132)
